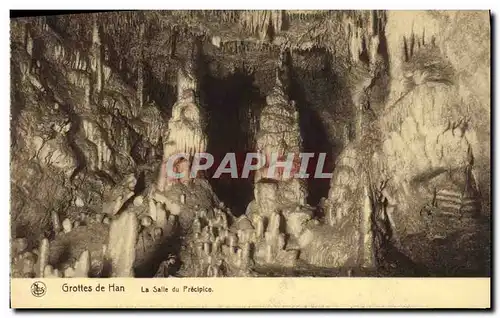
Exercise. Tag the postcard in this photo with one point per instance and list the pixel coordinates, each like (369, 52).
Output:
(251, 159)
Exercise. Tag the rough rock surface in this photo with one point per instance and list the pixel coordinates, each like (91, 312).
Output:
(424, 157)
(403, 108)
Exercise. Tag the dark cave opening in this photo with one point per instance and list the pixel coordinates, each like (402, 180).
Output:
(315, 140)
(157, 90)
(310, 101)
(230, 103)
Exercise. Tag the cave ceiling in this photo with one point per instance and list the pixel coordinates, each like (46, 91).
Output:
(249, 41)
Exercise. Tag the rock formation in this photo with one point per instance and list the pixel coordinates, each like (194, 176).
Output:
(400, 100)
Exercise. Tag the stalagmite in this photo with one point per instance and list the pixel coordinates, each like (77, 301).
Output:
(239, 258)
(69, 272)
(210, 270)
(259, 232)
(216, 41)
(121, 246)
(206, 247)
(215, 271)
(224, 234)
(199, 249)
(56, 224)
(224, 223)
(274, 225)
(43, 257)
(104, 250)
(48, 271)
(83, 216)
(246, 254)
(185, 136)
(106, 73)
(82, 265)
(279, 138)
(203, 214)
(269, 253)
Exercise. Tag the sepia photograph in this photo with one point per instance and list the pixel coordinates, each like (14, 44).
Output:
(249, 143)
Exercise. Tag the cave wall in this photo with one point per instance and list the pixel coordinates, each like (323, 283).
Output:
(463, 39)
(72, 139)
(427, 151)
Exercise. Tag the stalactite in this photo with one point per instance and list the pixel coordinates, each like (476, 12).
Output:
(259, 21)
(405, 50)
(173, 41)
(412, 44)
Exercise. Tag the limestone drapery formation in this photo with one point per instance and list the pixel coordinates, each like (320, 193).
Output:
(422, 154)
(185, 136)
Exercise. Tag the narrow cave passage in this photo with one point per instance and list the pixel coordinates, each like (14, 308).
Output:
(315, 140)
(231, 103)
(315, 93)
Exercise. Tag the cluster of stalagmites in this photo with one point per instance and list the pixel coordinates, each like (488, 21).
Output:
(272, 235)
(219, 248)
(130, 233)
(35, 262)
(278, 228)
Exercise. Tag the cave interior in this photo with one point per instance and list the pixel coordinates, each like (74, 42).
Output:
(112, 78)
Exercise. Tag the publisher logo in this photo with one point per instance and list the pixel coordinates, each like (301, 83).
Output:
(38, 289)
